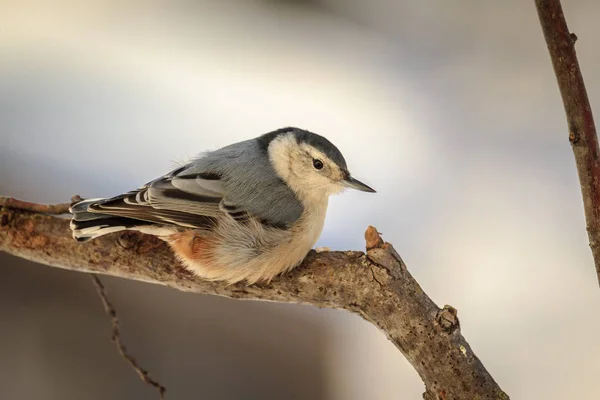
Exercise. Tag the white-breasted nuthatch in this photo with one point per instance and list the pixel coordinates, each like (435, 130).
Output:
(248, 211)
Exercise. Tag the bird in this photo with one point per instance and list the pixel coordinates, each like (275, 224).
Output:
(248, 211)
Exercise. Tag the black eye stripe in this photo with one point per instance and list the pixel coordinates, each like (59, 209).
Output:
(318, 164)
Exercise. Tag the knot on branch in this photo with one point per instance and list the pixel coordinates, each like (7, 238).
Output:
(383, 254)
(4, 219)
(75, 199)
(373, 238)
(447, 319)
(573, 37)
(573, 137)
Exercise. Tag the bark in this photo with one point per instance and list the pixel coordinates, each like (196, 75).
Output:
(582, 131)
(375, 285)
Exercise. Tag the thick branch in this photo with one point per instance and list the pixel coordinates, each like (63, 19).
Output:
(582, 131)
(375, 285)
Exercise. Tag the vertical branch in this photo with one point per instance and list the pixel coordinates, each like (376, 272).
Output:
(582, 131)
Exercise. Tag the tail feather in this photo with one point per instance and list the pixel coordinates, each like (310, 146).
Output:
(134, 211)
(89, 225)
(80, 211)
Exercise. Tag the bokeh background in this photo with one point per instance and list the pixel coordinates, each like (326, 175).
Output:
(449, 109)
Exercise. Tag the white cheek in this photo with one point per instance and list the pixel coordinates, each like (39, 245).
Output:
(280, 154)
(335, 188)
(317, 180)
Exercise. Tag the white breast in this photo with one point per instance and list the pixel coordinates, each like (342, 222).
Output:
(254, 253)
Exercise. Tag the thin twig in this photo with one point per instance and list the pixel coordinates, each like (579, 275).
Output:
(582, 131)
(116, 337)
(53, 209)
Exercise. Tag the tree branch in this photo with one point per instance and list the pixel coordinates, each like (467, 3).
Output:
(54, 209)
(377, 286)
(582, 131)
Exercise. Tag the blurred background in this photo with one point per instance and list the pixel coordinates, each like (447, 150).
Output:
(449, 109)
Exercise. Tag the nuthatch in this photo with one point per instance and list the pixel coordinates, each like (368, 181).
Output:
(248, 211)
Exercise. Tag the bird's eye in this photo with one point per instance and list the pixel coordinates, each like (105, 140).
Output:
(318, 164)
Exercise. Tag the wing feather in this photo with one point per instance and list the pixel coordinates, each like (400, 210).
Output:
(193, 201)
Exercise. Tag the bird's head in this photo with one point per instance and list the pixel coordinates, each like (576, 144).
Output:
(311, 165)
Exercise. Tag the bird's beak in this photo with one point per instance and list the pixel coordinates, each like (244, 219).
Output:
(352, 183)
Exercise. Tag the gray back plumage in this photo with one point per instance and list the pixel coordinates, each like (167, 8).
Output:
(250, 182)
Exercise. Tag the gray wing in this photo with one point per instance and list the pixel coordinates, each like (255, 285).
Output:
(250, 184)
(168, 200)
(236, 181)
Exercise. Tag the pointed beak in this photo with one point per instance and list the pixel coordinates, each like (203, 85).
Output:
(352, 183)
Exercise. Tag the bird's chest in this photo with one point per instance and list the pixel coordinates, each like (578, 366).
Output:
(271, 250)
(244, 252)
(307, 230)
